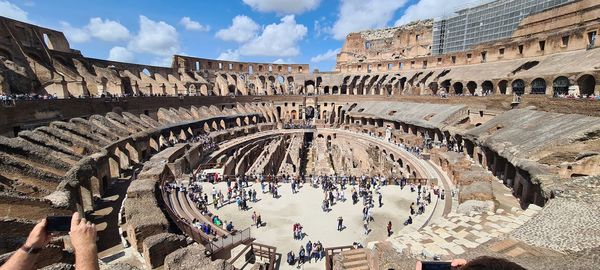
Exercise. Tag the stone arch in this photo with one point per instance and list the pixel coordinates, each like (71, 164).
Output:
(222, 124)
(123, 158)
(433, 86)
(446, 85)
(458, 88)
(334, 90)
(538, 86)
(561, 86)
(487, 87)
(113, 167)
(326, 90)
(402, 83)
(278, 110)
(587, 84)
(502, 86)
(154, 144)
(231, 90)
(472, 87)
(518, 87)
(134, 155)
(310, 87)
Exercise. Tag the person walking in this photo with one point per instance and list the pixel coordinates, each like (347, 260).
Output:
(340, 226)
(301, 255)
(366, 227)
(309, 247)
(380, 200)
(389, 228)
(258, 221)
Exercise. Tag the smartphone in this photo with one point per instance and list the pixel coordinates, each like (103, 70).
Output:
(58, 223)
(436, 265)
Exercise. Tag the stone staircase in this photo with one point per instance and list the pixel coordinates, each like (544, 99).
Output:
(310, 161)
(322, 164)
(356, 259)
(451, 236)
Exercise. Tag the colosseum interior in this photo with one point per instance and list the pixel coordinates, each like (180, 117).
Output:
(504, 135)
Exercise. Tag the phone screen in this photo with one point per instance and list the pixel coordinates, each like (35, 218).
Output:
(58, 223)
(436, 265)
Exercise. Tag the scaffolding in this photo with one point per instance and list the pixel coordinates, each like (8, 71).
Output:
(482, 23)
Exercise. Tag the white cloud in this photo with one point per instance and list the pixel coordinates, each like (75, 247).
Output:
(427, 9)
(162, 61)
(229, 55)
(191, 25)
(12, 11)
(357, 15)
(280, 61)
(157, 38)
(74, 34)
(321, 27)
(279, 40)
(242, 29)
(283, 6)
(329, 55)
(121, 54)
(107, 30)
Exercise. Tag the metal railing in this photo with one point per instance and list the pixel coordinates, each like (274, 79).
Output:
(230, 240)
(213, 243)
(266, 252)
(332, 251)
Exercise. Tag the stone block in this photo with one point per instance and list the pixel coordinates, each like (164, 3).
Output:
(193, 257)
(157, 247)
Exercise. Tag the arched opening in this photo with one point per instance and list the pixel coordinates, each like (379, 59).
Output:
(279, 112)
(502, 86)
(434, 87)
(538, 86)
(231, 89)
(446, 86)
(487, 87)
(326, 90)
(586, 84)
(402, 83)
(334, 90)
(472, 86)
(400, 162)
(344, 90)
(294, 114)
(518, 87)
(458, 88)
(310, 87)
(561, 86)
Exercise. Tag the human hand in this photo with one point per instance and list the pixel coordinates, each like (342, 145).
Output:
(455, 263)
(38, 237)
(83, 234)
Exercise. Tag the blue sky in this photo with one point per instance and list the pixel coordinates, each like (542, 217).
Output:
(151, 31)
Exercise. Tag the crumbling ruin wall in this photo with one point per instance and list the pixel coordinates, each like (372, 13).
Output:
(158, 246)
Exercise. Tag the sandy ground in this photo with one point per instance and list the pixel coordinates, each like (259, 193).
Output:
(305, 207)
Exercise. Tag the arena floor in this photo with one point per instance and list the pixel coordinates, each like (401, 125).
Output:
(305, 208)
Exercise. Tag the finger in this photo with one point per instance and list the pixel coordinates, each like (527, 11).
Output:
(419, 265)
(458, 262)
(75, 220)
